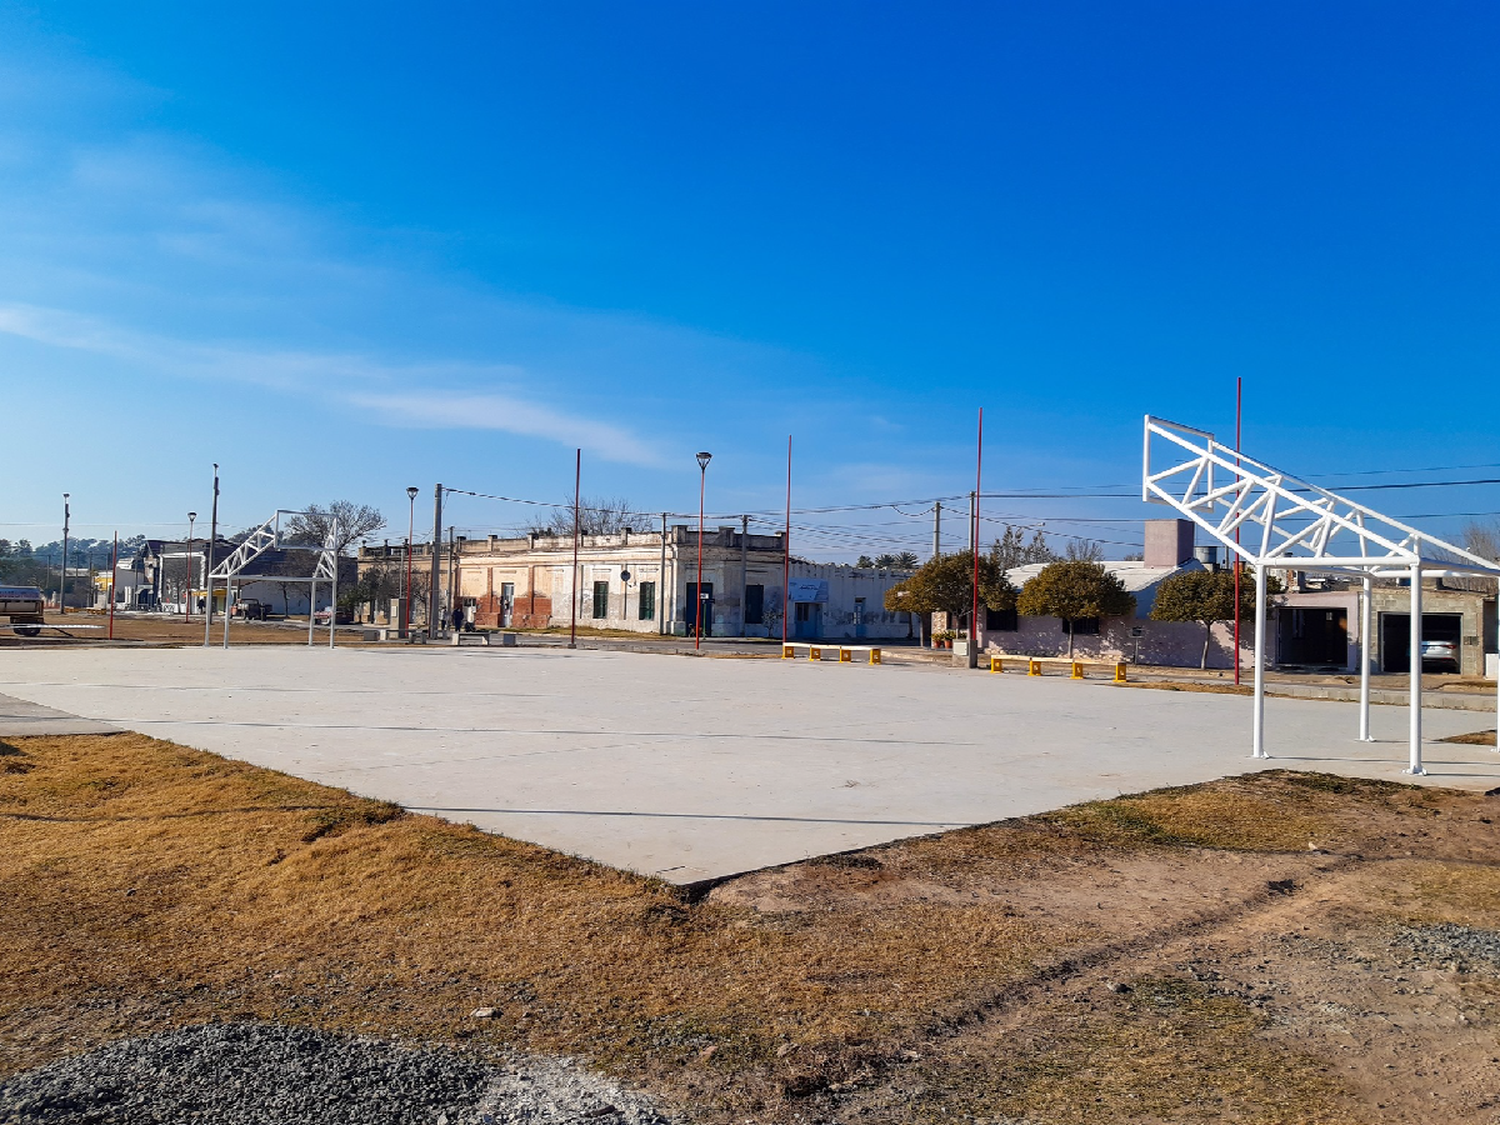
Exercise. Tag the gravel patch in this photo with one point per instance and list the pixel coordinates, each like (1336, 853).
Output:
(1452, 947)
(267, 1074)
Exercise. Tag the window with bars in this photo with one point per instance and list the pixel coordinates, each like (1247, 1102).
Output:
(601, 599)
(648, 601)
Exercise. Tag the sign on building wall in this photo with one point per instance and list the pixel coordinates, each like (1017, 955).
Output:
(807, 590)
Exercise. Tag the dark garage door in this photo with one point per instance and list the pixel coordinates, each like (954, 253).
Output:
(1395, 636)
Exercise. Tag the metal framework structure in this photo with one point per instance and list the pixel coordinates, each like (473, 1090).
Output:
(1285, 522)
(263, 539)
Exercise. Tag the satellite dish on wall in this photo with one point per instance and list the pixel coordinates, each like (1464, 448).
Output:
(624, 576)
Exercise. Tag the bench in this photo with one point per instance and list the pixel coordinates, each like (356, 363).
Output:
(1034, 665)
(459, 638)
(815, 651)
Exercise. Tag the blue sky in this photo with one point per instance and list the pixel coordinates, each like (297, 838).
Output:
(341, 249)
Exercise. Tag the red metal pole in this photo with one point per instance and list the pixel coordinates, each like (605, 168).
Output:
(1238, 402)
(698, 593)
(786, 544)
(974, 538)
(114, 563)
(411, 516)
(577, 485)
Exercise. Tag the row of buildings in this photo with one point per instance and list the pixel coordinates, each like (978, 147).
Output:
(647, 582)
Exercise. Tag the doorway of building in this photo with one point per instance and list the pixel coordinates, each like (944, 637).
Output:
(507, 600)
(808, 619)
(1395, 637)
(705, 609)
(1313, 635)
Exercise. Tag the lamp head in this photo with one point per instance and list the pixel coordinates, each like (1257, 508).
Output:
(412, 491)
(703, 460)
(192, 516)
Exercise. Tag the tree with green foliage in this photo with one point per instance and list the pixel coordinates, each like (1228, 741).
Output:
(1206, 597)
(945, 584)
(1075, 590)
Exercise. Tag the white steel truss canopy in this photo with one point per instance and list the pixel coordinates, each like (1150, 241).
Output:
(1268, 518)
(263, 539)
(267, 536)
(1282, 521)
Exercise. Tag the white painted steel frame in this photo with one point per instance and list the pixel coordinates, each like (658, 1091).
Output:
(261, 540)
(1302, 527)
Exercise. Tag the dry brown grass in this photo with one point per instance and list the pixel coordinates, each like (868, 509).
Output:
(207, 888)
(144, 885)
(1473, 738)
(1168, 1050)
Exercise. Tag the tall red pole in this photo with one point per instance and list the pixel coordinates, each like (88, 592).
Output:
(974, 538)
(698, 591)
(786, 544)
(577, 484)
(114, 562)
(411, 516)
(1238, 403)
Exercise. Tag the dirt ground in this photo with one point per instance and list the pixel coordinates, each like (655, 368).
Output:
(161, 629)
(1275, 948)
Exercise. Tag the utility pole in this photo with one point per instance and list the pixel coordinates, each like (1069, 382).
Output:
(208, 565)
(937, 529)
(437, 541)
(744, 568)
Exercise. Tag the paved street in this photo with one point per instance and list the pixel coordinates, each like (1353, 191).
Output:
(696, 768)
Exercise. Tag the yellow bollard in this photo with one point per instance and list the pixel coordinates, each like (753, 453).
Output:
(1077, 670)
(874, 656)
(814, 653)
(1033, 667)
(845, 656)
(1120, 672)
(788, 652)
(995, 665)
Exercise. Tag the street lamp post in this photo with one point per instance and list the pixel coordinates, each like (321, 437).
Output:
(703, 460)
(411, 515)
(62, 579)
(187, 567)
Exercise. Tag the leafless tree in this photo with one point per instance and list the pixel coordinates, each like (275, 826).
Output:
(310, 528)
(1085, 550)
(607, 515)
(1483, 539)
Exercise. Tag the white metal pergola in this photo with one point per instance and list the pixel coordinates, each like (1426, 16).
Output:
(1285, 522)
(263, 539)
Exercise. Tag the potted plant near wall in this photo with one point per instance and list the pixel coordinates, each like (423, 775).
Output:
(943, 638)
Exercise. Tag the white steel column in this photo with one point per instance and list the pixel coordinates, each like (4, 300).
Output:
(1258, 721)
(312, 600)
(1416, 671)
(1365, 614)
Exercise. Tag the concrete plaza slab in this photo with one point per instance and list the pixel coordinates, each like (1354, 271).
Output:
(691, 769)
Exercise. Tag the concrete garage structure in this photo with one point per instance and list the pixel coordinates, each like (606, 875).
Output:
(1317, 622)
(692, 769)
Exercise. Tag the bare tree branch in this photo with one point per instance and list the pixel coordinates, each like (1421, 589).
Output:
(310, 528)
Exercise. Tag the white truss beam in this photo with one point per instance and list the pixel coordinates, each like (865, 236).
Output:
(261, 540)
(1301, 527)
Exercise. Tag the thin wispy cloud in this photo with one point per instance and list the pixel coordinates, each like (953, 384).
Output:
(348, 379)
(449, 410)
